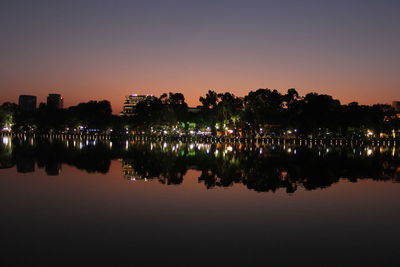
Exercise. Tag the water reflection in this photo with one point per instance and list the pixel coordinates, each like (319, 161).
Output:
(260, 168)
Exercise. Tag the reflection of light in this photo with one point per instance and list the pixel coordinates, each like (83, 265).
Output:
(229, 148)
(126, 145)
(6, 140)
(111, 144)
(369, 152)
(191, 146)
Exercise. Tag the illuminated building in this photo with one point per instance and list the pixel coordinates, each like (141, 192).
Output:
(131, 101)
(55, 101)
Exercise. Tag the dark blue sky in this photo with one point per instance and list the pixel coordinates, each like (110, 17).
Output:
(108, 49)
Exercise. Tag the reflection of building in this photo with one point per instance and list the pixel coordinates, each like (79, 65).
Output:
(25, 165)
(27, 102)
(55, 101)
(131, 101)
(53, 168)
(396, 106)
(129, 171)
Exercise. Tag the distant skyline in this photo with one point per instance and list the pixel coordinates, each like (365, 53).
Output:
(95, 50)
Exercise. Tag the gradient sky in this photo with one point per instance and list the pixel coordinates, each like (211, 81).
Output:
(108, 49)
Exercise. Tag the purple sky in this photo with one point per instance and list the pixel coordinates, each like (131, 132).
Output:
(108, 49)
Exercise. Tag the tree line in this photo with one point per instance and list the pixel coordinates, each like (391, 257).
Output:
(263, 112)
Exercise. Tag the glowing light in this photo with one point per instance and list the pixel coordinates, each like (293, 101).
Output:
(6, 140)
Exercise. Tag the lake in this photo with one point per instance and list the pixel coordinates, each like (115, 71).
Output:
(126, 203)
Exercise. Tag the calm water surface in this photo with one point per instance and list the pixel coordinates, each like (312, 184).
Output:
(76, 202)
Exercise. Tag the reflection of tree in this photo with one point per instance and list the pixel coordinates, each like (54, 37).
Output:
(309, 169)
(261, 169)
(148, 162)
(50, 154)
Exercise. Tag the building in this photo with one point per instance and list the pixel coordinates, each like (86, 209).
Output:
(396, 106)
(55, 101)
(131, 101)
(27, 102)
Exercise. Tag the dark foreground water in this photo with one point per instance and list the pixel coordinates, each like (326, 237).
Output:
(157, 204)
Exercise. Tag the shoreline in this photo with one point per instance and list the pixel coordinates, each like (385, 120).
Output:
(390, 142)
